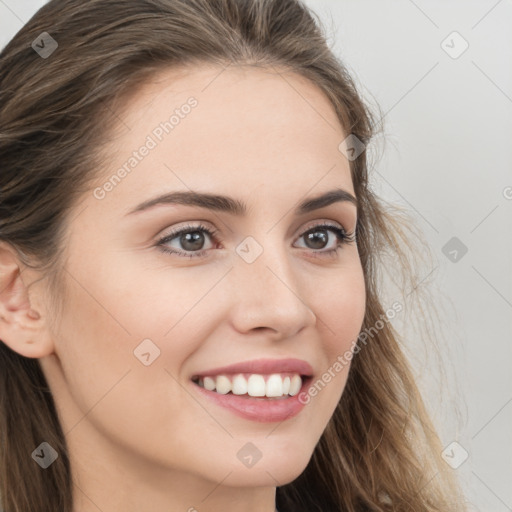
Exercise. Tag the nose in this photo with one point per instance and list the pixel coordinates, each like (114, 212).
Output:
(266, 295)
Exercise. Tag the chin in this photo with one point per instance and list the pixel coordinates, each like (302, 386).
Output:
(279, 468)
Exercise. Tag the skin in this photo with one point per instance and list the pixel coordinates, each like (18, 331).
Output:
(141, 437)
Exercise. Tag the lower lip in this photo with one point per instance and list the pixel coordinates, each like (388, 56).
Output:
(258, 408)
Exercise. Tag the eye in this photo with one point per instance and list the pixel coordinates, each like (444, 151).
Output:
(319, 236)
(191, 239)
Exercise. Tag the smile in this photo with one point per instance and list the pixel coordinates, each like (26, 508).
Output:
(276, 385)
(258, 406)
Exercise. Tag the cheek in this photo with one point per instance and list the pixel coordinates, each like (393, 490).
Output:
(105, 384)
(341, 309)
(117, 313)
(93, 342)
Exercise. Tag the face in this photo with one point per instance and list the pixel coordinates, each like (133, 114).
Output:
(160, 298)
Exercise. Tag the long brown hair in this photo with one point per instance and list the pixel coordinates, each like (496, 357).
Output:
(380, 451)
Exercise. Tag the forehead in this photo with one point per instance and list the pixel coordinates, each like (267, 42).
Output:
(217, 87)
(233, 129)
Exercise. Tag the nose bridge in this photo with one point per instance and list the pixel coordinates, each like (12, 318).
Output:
(268, 290)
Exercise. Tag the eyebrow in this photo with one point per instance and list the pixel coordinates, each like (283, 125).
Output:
(236, 207)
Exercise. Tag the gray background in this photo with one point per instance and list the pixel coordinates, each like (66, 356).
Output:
(447, 158)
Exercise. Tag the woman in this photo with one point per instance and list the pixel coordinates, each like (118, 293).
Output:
(189, 264)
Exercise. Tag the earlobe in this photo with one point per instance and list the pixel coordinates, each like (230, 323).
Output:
(22, 328)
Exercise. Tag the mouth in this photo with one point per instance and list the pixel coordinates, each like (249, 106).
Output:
(260, 390)
(275, 386)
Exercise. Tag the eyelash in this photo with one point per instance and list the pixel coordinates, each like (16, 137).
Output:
(342, 236)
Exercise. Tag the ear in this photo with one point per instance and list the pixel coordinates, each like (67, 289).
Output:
(23, 324)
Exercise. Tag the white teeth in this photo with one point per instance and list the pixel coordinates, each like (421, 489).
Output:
(286, 385)
(256, 385)
(239, 385)
(295, 385)
(274, 387)
(209, 383)
(223, 385)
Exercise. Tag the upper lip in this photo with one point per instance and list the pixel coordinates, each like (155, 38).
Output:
(262, 366)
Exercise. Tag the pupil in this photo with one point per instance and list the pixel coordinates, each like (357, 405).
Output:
(314, 237)
(191, 241)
